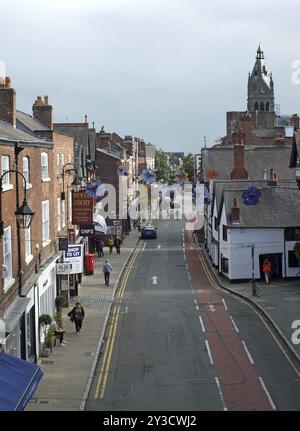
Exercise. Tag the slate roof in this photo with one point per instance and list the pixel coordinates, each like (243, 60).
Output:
(27, 123)
(257, 159)
(278, 207)
(9, 133)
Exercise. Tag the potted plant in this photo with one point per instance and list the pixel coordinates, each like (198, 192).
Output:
(44, 321)
(59, 303)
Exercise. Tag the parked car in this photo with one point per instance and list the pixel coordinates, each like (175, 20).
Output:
(148, 232)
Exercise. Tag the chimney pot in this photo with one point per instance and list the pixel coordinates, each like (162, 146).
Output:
(7, 101)
(46, 98)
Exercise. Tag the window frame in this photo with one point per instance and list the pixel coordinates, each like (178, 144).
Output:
(7, 240)
(225, 233)
(45, 221)
(44, 167)
(27, 177)
(6, 178)
(58, 213)
(27, 235)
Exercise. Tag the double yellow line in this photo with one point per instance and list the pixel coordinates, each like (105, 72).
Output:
(102, 380)
(216, 286)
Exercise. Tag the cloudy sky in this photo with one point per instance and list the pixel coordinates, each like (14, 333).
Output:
(164, 70)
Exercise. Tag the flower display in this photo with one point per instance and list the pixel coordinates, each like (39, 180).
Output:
(148, 176)
(181, 177)
(96, 189)
(212, 174)
(251, 196)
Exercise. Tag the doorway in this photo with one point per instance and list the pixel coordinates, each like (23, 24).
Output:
(276, 264)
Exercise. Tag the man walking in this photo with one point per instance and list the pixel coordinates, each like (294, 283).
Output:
(107, 269)
(118, 245)
(100, 245)
(266, 269)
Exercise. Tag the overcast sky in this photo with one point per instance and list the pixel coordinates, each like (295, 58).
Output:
(163, 70)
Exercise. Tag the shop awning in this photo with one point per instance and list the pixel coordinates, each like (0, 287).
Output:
(14, 313)
(18, 382)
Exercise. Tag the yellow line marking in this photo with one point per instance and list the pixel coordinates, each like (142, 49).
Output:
(102, 380)
(109, 356)
(242, 301)
(105, 354)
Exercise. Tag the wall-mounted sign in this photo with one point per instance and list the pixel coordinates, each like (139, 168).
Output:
(82, 208)
(86, 230)
(64, 283)
(62, 243)
(74, 255)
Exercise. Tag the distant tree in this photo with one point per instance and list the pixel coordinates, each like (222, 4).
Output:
(189, 165)
(161, 166)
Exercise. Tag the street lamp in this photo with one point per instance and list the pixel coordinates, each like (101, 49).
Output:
(76, 182)
(24, 213)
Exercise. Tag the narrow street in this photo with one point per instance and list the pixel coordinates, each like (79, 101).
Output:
(175, 342)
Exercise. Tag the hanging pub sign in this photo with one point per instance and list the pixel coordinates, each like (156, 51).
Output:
(82, 208)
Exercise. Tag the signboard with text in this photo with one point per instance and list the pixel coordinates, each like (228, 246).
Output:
(74, 255)
(82, 208)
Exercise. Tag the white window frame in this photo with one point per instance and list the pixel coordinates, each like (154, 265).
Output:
(58, 214)
(7, 258)
(26, 165)
(5, 159)
(70, 158)
(63, 213)
(57, 166)
(70, 206)
(28, 254)
(62, 160)
(44, 166)
(45, 223)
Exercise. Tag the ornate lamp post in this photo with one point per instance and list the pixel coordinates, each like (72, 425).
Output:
(76, 183)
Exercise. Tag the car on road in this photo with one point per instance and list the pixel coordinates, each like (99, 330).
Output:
(148, 232)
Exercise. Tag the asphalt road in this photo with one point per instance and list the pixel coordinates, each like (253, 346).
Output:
(171, 346)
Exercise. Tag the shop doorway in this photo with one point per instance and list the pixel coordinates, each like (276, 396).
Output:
(276, 265)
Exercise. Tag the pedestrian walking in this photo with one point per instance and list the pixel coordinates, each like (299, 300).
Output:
(110, 243)
(107, 269)
(77, 315)
(266, 269)
(118, 243)
(100, 245)
(57, 330)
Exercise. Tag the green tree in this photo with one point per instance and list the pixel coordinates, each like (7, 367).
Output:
(161, 166)
(189, 165)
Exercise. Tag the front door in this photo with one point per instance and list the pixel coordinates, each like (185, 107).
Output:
(276, 264)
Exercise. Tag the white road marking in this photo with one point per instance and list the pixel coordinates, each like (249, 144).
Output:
(202, 324)
(189, 276)
(209, 352)
(158, 246)
(126, 310)
(225, 304)
(267, 393)
(233, 322)
(212, 308)
(197, 308)
(144, 246)
(195, 301)
(221, 394)
(248, 353)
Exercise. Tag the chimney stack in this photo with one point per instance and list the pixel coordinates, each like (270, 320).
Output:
(235, 211)
(239, 172)
(42, 111)
(7, 101)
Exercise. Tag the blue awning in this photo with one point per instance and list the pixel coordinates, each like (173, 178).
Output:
(18, 382)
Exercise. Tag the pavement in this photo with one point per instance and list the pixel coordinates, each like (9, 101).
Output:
(279, 302)
(69, 369)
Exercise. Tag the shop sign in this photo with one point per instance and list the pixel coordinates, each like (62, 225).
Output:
(82, 208)
(74, 255)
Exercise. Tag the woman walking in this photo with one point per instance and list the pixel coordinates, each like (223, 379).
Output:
(77, 316)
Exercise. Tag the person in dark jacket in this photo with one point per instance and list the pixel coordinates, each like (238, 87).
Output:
(100, 245)
(118, 243)
(77, 316)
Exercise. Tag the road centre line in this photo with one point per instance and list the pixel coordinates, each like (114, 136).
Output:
(234, 324)
(221, 394)
(224, 304)
(202, 324)
(248, 353)
(267, 393)
(209, 353)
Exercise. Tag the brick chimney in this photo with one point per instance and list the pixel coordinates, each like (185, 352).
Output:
(42, 111)
(239, 172)
(235, 211)
(7, 101)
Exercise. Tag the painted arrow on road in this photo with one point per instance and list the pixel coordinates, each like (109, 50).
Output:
(154, 279)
